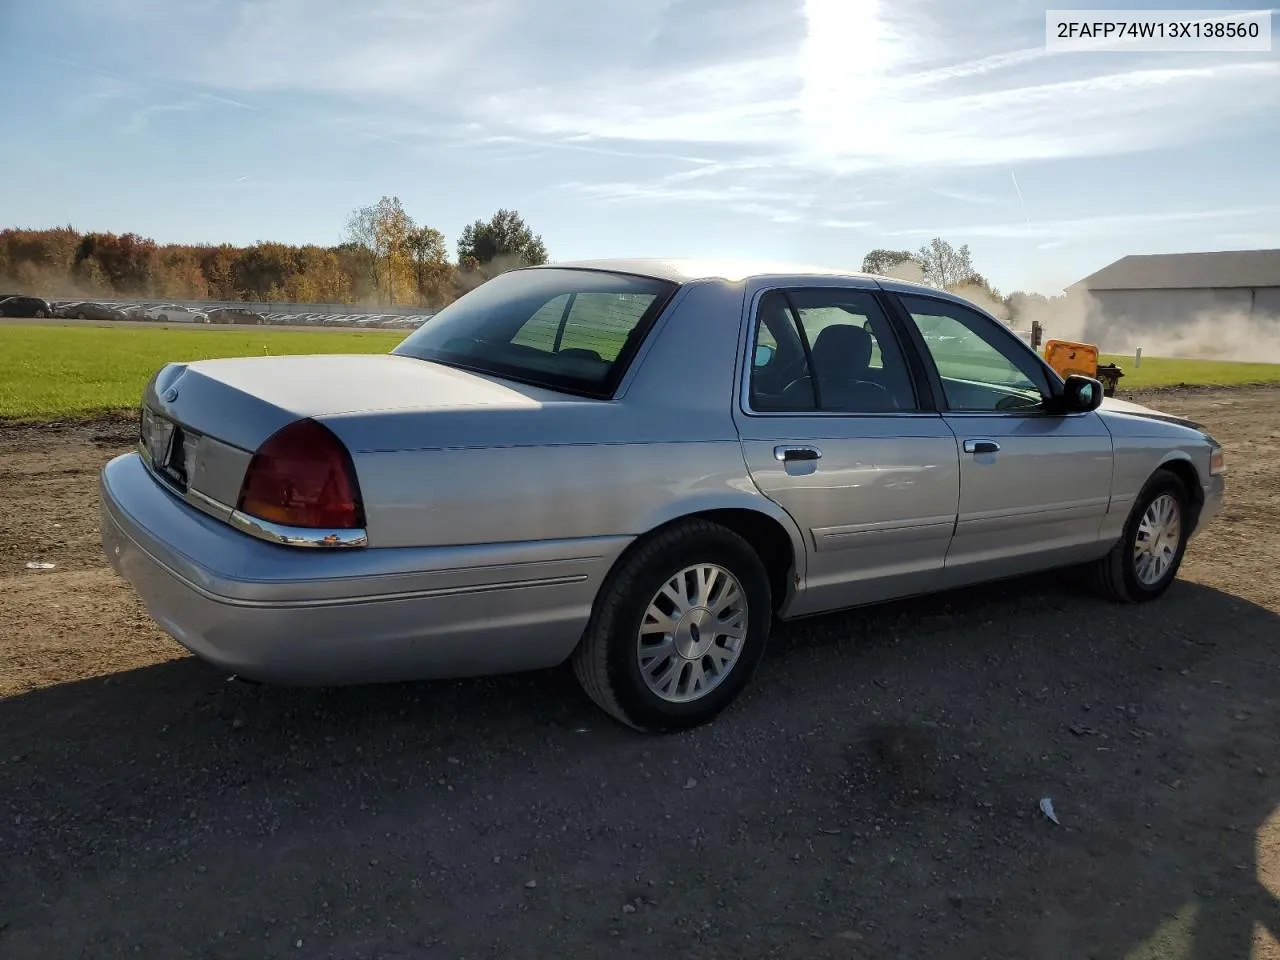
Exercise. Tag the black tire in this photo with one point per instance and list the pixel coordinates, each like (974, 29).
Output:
(606, 661)
(1115, 575)
(40, 314)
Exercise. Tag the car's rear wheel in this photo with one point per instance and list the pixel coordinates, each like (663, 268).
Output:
(678, 628)
(1145, 561)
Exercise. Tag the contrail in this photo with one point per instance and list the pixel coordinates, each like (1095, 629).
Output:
(1022, 203)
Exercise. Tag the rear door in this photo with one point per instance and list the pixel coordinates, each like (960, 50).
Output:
(1034, 484)
(839, 432)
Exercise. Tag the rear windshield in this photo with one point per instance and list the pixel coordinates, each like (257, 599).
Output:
(571, 330)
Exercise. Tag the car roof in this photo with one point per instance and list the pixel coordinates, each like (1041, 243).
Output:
(686, 269)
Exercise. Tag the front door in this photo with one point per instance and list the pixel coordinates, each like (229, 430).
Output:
(1034, 484)
(834, 431)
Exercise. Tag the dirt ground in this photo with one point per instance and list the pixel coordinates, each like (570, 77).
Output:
(875, 794)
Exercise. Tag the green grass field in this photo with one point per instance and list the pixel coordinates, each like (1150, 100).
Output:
(49, 372)
(1161, 372)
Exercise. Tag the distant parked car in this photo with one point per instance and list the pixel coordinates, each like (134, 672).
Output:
(89, 310)
(235, 315)
(172, 313)
(17, 305)
(636, 466)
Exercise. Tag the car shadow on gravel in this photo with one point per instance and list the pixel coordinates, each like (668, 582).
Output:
(875, 792)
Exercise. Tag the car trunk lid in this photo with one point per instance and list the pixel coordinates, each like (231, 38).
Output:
(201, 422)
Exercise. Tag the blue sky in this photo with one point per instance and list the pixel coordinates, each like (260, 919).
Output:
(808, 130)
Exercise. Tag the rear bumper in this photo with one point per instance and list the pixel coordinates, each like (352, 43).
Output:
(341, 616)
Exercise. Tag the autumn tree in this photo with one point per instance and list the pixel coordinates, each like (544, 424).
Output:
(502, 242)
(361, 245)
(127, 260)
(433, 273)
(178, 274)
(385, 257)
(380, 232)
(261, 271)
(218, 264)
(944, 265)
(354, 262)
(318, 277)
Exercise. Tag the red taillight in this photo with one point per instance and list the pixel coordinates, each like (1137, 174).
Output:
(302, 477)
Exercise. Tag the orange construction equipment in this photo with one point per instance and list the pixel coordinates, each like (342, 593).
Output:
(1068, 357)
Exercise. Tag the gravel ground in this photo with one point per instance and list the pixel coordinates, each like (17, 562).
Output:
(875, 793)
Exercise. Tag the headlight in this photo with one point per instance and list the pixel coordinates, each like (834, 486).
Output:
(1217, 462)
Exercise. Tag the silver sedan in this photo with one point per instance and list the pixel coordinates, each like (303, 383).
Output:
(636, 466)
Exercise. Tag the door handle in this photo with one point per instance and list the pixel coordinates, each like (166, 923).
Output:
(981, 446)
(785, 454)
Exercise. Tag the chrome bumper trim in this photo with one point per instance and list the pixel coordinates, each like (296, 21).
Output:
(315, 537)
(297, 536)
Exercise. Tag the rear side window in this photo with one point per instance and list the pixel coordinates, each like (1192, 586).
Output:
(572, 330)
(827, 349)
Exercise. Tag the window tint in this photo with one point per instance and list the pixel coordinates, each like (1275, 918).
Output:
(980, 368)
(584, 323)
(843, 356)
(564, 329)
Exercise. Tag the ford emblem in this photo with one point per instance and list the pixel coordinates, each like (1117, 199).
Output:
(171, 395)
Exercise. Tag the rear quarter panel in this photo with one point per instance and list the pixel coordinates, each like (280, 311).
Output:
(664, 447)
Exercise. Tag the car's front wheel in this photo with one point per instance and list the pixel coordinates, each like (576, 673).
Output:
(678, 628)
(1145, 561)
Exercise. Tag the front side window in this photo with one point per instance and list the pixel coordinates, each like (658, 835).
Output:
(832, 350)
(573, 330)
(980, 369)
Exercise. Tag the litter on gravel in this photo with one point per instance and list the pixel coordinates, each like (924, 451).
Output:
(1046, 807)
(40, 565)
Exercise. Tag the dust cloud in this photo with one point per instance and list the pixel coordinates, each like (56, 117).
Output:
(1216, 334)
(909, 270)
(979, 297)
(1224, 335)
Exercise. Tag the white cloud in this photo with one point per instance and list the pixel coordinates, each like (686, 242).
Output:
(870, 85)
(811, 90)
(966, 196)
(141, 118)
(1247, 238)
(836, 224)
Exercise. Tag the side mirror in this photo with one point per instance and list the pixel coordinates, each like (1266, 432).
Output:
(1081, 394)
(764, 353)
